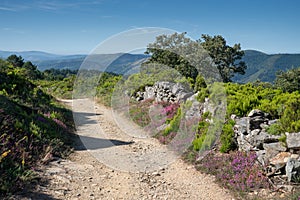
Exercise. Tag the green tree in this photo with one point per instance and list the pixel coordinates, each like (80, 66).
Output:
(191, 57)
(16, 61)
(31, 71)
(288, 81)
(28, 65)
(163, 51)
(58, 74)
(224, 56)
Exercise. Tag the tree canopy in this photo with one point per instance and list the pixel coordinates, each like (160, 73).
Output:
(27, 69)
(172, 50)
(288, 81)
(226, 58)
(16, 61)
(163, 51)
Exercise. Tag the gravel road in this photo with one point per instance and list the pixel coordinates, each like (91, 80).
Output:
(114, 163)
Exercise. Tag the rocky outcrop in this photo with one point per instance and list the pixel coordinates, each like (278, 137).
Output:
(251, 135)
(165, 91)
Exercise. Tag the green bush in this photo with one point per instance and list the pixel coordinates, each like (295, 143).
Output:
(274, 129)
(202, 94)
(174, 124)
(290, 119)
(106, 87)
(200, 83)
(139, 112)
(59, 88)
(227, 137)
(202, 129)
(283, 139)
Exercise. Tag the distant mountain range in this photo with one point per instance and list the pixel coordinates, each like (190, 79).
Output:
(261, 66)
(120, 63)
(31, 55)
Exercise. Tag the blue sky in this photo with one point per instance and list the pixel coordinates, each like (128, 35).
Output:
(78, 26)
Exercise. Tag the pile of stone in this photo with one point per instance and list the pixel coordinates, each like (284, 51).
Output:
(280, 157)
(165, 91)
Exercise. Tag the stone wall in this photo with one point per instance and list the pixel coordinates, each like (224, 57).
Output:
(273, 153)
(277, 156)
(165, 91)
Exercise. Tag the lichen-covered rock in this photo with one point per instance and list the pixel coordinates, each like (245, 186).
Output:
(264, 137)
(292, 169)
(241, 126)
(261, 157)
(293, 140)
(272, 149)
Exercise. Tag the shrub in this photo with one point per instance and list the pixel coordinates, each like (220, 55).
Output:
(202, 129)
(106, 87)
(170, 114)
(174, 124)
(282, 139)
(274, 129)
(227, 137)
(24, 140)
(200, 83)
(237, 171)
(290, 119)
(139, 112)
(170, 110)
(202, 94)
(26, 133)
(62, 89)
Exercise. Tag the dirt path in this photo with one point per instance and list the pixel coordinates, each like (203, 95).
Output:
(110, 164)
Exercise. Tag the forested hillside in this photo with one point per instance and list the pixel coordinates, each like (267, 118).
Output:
(261, 66)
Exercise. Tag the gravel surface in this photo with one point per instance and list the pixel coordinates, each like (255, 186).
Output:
(109, 163)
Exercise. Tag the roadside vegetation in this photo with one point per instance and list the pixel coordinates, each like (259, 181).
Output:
(34, 126)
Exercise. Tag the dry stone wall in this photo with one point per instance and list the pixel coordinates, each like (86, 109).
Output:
(165, 91)
(273, 153)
